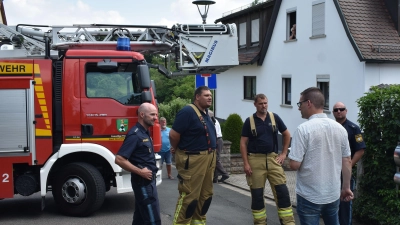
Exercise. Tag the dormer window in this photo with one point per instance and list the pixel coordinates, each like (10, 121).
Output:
(255, 32)
(242, 34)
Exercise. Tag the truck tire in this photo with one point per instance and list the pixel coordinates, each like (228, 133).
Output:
(79, 189)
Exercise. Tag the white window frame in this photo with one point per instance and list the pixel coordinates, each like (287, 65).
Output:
(255, 32)
(242, 34)
(318, 18)
(286, 94)
(323, 84)
(288, 26)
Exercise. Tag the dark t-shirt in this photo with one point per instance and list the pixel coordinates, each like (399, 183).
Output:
(356, 140)
(264, 141)
(138, 148)
(193, 134)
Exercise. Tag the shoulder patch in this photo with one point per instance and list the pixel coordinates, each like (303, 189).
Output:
(359, 138)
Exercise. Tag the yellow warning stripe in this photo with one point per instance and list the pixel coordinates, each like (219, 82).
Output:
(96, 139)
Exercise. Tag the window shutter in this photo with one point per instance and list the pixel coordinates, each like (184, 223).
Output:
(318, 19)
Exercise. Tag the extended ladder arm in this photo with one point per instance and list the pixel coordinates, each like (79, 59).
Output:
(198, 48)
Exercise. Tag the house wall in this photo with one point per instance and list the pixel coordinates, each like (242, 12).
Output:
(378, 73)
(303, 59)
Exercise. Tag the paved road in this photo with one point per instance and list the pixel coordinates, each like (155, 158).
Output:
(230, 206)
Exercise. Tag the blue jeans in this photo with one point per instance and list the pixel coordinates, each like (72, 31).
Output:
(309, 213)
(165, 156)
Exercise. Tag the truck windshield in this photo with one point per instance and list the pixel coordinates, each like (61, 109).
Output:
(114, 83)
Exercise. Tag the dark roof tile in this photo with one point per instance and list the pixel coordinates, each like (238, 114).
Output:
(372, 28)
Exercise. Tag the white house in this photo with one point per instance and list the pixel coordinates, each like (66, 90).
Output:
(342, 46)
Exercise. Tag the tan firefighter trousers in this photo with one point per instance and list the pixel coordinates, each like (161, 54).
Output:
(195, 174)
(264, 166)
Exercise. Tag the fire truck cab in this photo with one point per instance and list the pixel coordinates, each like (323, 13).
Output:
(67, 101)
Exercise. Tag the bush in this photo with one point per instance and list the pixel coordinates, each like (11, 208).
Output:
(232, 131)
(170, 109)
(379, 118)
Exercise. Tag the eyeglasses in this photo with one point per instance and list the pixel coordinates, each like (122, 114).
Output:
(299, 103)
(339, 109)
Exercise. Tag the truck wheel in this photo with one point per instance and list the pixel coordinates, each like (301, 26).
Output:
(79, 189)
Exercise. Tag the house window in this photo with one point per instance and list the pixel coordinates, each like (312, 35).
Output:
(286, 90)
(249, 87)
(255, 32)
(291, 24)
(318, 18)
(242, 34)
(323, 84)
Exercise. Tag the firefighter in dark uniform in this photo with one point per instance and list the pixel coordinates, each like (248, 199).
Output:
(261, 161)
(357, 147)
(193, 140)
(136, 155)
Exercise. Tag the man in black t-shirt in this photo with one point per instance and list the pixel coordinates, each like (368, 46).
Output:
(261, 161)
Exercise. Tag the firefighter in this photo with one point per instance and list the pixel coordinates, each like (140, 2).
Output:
(136, 155)
(193, 140)
(258, 147)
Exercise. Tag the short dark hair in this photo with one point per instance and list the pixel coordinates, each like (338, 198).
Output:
(315, 96)
(262, 96)
(200, 90)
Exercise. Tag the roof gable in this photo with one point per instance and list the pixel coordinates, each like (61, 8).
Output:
(370, 29)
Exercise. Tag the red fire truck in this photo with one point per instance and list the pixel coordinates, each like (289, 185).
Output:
(69, 94)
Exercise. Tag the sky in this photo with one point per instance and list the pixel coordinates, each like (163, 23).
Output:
(133, 12)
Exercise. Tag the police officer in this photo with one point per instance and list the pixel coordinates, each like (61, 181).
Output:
(357, 147)
(136, 155)
(260, 160)
(193, 140)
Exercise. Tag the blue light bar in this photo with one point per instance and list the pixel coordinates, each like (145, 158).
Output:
(123, 44)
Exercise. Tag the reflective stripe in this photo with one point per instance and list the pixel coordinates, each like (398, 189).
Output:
(284, 213)
(178, 209)
(198, 222)
(260, 214)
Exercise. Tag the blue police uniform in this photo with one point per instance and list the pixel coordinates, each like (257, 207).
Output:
(138, 149)
(356, 143)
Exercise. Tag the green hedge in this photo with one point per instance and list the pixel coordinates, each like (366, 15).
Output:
(232, 130)
(170, 109)
(378, 201)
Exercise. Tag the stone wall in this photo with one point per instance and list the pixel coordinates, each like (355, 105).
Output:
(225, 156)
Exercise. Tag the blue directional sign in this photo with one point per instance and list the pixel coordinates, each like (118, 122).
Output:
(209, 80)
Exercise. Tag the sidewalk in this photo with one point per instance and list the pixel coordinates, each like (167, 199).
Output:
(239, 181)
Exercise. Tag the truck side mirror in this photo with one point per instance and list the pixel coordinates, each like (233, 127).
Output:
(396, 157)
(146, 96)
(143, 76)
(107, 64)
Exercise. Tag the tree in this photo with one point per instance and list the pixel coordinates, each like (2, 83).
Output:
(232, 131)
(379, 118)
(169, 89)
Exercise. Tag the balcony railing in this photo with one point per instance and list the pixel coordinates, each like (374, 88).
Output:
(254, 3)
